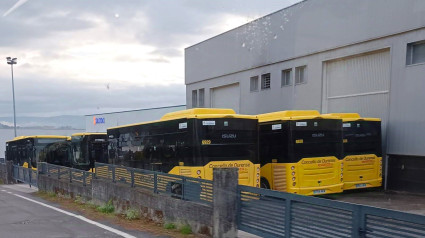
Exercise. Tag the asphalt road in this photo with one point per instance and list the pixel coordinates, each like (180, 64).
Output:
(24, 215)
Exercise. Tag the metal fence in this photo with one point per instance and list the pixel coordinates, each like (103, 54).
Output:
(270, 213)
(25, 175)
(66, 173)
(186, 188)
(2, 161)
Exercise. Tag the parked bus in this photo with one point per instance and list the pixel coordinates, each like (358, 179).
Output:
(300, 152)
(362, 151)
(28, 150)
(190, 143)
(88, 148)
(80, 151)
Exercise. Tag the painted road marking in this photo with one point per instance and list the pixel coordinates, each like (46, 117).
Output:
(113, 230)
(3, 190)
(9, 192)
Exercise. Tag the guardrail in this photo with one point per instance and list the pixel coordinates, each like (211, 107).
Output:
(25, 175)
(185, 188)
(66, 173)
(2, 161)
(270, 213)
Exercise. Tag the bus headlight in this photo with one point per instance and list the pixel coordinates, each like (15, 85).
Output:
(342, 164)
(342, 175)
(258, 186)
(293, 178)
(258, 170)
(258, 180)
(198, 172)
(294, 183)
(293, 167)
(258, 175)
(293, 173)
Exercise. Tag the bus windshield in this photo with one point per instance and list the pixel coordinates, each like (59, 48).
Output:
(228, 139)
(315, 138)
(40, 145)
(78, 153)
(363, 137)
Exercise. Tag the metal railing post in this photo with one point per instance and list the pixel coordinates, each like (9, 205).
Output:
(113, 174)
(183, 187)
(132, 178)
(29, 176)
(59, 173)
(288, 217)
(155, 182)
(84, 178)
(70, 175)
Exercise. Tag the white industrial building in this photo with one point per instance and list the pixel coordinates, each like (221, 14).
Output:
(329, 55)
(100, 122)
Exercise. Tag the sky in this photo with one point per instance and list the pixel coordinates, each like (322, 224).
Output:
(78, 57)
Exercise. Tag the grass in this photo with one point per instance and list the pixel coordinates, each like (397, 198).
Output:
(186, 230)
(106, 208)
(132, 214)
(169, 226)
(51, 194)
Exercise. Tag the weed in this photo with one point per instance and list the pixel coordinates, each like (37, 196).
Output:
(91, 204)
(79, 200)
(51, 194)
(106, 208)
(186, 230)
(169, 226)
(132, 214)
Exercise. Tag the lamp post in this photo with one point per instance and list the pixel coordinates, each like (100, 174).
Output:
(13, 61)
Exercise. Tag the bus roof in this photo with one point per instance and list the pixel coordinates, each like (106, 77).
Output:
(352, 117)
(292, 115)
(39, 137)
(88, 133)
(199, 113)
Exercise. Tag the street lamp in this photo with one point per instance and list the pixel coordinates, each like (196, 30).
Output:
(12, 61)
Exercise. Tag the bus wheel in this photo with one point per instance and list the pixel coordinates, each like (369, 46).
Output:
(264, 183)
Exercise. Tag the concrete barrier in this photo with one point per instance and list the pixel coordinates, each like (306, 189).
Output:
(6, 172)
(218, 219)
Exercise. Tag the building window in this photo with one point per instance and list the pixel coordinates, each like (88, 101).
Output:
(201, 97)
(415, 53)
(254, 84)
(265, 81)
(301, 74)
(194, 98)
(286, 77)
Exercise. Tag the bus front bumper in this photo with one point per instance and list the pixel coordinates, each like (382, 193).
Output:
(326, 189)
(348, 185)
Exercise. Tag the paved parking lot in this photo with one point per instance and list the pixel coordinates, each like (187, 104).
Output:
(406, 202)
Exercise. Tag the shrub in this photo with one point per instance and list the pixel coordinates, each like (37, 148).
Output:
(51, 194)
(169, 226)
(186, 229)
(106, 208)
(132, 214)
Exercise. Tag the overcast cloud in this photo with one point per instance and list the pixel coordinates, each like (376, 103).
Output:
(82, 57)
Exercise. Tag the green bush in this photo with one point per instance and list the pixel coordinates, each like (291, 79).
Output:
(51, 194)
(169, 226)
(132, 214)
(186, 230)
(106, 208)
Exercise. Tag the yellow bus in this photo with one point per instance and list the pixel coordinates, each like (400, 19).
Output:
(28, 150)
(362, 151)
(88, 148)
(190, 143)
(300, 152)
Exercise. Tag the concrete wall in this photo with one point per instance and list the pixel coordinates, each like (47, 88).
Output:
(6, 173)
(127, 117)
(218, 219)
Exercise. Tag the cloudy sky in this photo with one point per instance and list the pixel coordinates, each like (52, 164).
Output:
(92, 56)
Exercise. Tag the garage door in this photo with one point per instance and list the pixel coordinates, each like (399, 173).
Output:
(226, 97)
(358, 84)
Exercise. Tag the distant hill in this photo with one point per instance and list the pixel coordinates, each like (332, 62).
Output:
(56, 122)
